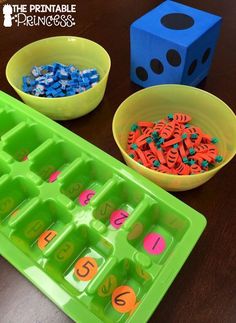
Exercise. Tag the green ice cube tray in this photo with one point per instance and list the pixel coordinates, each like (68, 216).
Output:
(32, 147)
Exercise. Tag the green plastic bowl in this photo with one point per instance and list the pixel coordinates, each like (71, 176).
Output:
(81, 52)
(154, 103)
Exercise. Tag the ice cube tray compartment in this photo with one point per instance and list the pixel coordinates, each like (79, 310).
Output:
(14, 196)
(4, 168)
(119, 196)
(8, 119)
(57, 156)
(75, 220)
(81, 242)
(36, 228)
(124, 273)
(25, 140)
(85, 175)
(164, 223)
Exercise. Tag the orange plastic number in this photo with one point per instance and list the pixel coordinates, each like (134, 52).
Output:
(45, 238)
(86, 268)
(123, 299)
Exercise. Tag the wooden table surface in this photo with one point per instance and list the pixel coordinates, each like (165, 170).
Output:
(205, 289)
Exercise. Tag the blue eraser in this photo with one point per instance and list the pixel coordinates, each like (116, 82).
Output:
(94, 78)
(36, 71)
(56, 85)
(85, 81)
(64, 84)
(81, 89)
(62, 74)
(71, 68)
(58, 80)
(74, 75)
(40, 79)
(27, 89)
(93, 71)
(48, 81)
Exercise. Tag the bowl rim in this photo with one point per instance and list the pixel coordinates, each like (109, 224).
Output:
(211, 171)
(16, 88)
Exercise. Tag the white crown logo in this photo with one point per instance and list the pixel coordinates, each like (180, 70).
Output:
(7, 11)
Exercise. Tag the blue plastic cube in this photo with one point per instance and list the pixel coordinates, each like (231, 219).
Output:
(173, 43)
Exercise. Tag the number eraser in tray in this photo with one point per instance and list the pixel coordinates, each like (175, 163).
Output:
(101, 241)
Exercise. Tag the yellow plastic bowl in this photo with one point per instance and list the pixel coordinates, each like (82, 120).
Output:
(154, 103)
(82, 53)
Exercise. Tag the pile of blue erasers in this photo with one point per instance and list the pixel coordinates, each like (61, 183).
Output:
(59, 80)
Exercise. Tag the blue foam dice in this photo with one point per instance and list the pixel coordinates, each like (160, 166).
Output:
(173, 43)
